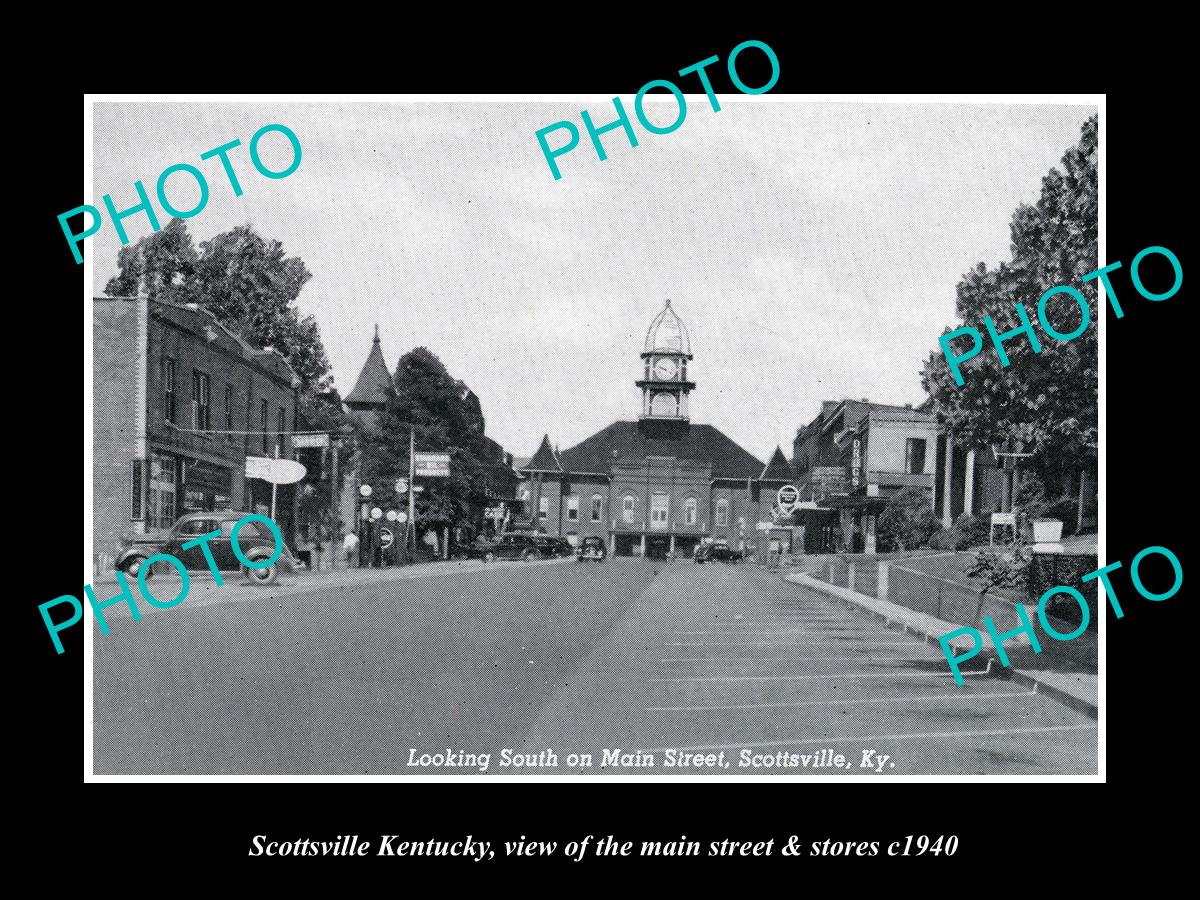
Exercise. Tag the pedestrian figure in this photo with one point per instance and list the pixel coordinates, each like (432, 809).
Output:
(350, 547)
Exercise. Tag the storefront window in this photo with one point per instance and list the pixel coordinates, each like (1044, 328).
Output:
(160, 512)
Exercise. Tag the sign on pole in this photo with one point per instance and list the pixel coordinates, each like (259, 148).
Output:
(787, 497)
(309, 441)
(401, 485)
(432, 465)
(276, 471)
(385, 538)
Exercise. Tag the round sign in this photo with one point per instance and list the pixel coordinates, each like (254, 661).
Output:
(376, 513)
(402, 516)
(401, 485)
(365, 490)
(391, 515)
(385, 538)
(787, 496)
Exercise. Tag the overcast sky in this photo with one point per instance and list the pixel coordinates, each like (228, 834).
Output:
(812, 249)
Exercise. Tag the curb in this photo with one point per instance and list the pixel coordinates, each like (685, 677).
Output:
(929, 629)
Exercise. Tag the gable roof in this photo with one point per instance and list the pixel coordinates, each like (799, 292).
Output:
(544, 460)
(626, 441)
(777, 469)
(373, 380)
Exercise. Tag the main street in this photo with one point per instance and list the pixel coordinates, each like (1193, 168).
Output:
(350, 676)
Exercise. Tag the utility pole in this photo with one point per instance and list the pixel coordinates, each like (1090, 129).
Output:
(274, 486)
(333, 509)
(412, 491)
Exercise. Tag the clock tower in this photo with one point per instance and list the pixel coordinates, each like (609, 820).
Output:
(665, 357)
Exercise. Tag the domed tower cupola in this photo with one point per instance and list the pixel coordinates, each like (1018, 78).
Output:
(665, 358)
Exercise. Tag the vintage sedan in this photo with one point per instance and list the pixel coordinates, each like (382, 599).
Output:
(717, 553)
(591, 547)
(254, 539)
(552, 547)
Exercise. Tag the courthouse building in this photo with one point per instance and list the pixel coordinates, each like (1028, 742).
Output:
(178, 403)
(662, 483)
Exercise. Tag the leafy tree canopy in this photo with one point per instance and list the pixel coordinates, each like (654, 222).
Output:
(1045, 403)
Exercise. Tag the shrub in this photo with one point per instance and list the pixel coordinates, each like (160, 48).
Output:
(970, 531)
(946, 539)
(907, 522)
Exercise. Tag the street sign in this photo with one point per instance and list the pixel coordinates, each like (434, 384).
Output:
(787, 497)
(401, 485)
(385, 538)
(309, 441)
(432, 465)
(276, 471)
(418, 489)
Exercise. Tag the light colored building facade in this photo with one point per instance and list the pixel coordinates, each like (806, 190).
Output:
(662, 484)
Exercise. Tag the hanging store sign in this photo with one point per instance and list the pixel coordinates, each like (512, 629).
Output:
(309, 441)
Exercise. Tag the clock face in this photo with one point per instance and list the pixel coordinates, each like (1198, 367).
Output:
(664, 369)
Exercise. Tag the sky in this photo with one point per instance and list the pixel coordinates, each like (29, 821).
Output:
(812, 249)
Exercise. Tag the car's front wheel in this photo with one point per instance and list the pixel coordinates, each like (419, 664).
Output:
(529, 555)
(133, 566)
(489, 556)
(268, 575)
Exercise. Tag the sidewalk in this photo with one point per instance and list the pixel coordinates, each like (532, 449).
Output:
(1078, 690)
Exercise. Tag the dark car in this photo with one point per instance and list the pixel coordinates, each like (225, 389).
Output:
(552, 547)
(514, 546)
(482, 548)
(591, 547)
(717, 553)
(254, 539)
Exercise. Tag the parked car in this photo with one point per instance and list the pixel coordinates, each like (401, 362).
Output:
(717, 553)
(254, 539)
(591, 547)
(481, 547)
(514, 546)
(551, 547)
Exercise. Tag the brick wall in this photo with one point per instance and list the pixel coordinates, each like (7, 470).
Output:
(114, 425)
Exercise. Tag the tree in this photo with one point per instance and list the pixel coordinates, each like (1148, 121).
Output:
(1045, 403)
(445, 417)
(245, 280)
(907, 522)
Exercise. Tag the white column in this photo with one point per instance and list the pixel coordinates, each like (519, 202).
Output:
(947, 519)
(643, 545)
(672, 543)
(969, 485)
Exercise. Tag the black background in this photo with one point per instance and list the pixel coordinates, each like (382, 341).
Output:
(1002, 827)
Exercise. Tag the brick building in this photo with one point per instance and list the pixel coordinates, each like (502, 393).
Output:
(660, 484)
(174, 393)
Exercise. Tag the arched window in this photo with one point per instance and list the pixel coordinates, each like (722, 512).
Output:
(689, 511)
(597, 507)
(627, 508)
(722, 513)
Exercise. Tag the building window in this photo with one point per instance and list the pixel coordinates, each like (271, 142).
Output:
(160, 500)
(282, 422)
(627, 508)
(168, 386)
(914, 456)
(229, 411)
(722, 513)
(137, 495)
(660, 508)
(597, 507)
(689, 511)
(543, 507)
(573, 508)
(262, 424)
(664, 405)
(200, 420)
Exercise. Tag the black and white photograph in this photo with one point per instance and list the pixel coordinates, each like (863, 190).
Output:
(444, 438)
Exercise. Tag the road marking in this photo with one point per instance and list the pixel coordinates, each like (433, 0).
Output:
(785, 633)
(765, 643)
(908, 643)
(863, 658)
(744, 706)
(945, 674)
(882, 737)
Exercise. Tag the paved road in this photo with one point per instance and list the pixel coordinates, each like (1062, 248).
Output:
(628, 655)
